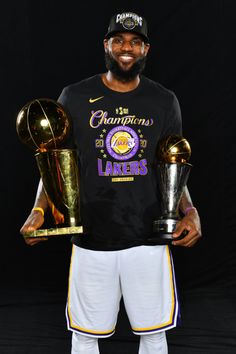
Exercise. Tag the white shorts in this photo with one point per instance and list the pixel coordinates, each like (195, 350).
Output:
(143, 275)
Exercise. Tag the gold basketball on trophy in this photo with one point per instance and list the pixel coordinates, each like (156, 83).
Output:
(173, 149)
(42, 124)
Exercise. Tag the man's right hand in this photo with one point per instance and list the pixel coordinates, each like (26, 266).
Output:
(33, 222)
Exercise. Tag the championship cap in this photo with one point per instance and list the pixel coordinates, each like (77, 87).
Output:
(127, 22)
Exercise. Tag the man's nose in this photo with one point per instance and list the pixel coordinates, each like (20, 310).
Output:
(126, 45)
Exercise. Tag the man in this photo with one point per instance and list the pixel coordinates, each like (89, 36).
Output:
(118, 119)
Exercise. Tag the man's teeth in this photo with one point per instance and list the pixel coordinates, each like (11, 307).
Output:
(126, 57)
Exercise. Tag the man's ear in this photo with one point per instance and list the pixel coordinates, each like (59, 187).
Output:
(105, 44)
(146, 48)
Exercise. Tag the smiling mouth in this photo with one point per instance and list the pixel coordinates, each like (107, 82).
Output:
(126, 58)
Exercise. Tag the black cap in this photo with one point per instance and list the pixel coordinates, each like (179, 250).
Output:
(127, 22)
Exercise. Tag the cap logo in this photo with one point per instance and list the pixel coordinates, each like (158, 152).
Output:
(129, 23)
(129, 20)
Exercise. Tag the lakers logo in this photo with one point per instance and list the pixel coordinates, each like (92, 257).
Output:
(122, 143)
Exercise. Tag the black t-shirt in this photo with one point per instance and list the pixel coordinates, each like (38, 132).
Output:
(116, 136)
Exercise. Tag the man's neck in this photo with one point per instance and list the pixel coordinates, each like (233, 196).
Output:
(117, 85)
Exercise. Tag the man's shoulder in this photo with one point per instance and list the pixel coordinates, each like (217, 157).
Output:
(157, 89)
(82, 85)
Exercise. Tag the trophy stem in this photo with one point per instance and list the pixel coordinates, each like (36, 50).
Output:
(172, 178)
(59, 172)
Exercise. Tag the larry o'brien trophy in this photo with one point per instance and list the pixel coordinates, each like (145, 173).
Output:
(172, 171)
(43, 125)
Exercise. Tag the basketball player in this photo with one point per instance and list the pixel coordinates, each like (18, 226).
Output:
(118, 118)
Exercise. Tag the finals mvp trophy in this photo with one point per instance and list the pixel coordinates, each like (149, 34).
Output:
(43, 125)
(172, 171)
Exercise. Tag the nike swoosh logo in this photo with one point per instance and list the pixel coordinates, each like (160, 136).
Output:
(92, 100)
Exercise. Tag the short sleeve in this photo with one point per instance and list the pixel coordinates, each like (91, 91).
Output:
(173, 118)
(63, 100)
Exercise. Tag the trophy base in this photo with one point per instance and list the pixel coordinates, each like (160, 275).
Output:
(165, 226)
(161, 239)
(164, 229)
(60, 231)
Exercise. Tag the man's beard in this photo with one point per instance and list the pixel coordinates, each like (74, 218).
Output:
(123, 75)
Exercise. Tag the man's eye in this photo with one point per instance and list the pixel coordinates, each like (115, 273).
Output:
(117, 41)
(136, 42)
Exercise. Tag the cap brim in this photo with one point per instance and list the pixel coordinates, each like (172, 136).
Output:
(112, 33)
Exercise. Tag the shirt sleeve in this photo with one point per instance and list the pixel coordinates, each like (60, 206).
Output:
(63, 100)
(173, 118)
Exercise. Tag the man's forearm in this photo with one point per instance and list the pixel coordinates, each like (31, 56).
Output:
(41, 200)
(185, 201)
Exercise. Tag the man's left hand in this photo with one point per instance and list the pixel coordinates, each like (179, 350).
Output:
(192, 226)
